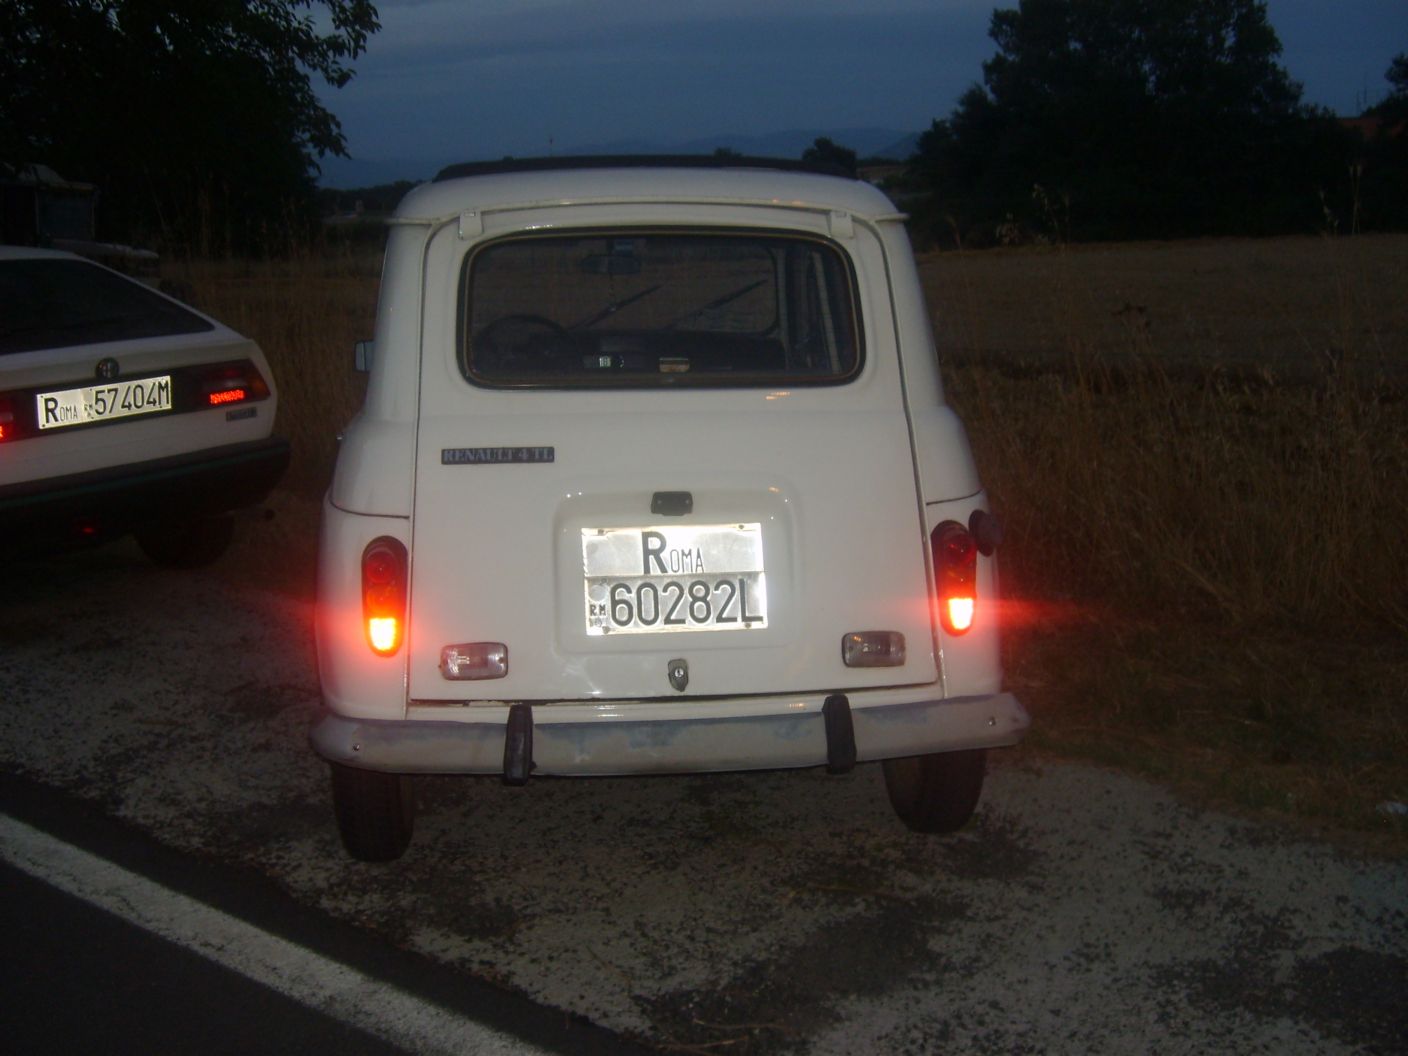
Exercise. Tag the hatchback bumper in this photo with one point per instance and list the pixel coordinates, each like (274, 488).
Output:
(58, 511)
(591, 739)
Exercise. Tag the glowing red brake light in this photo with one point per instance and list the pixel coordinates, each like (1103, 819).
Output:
(955, 576)
(384, 568)
(233, 383)
(7, 419)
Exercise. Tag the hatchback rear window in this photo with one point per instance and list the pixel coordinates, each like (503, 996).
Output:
(658, 308)
(55, 303)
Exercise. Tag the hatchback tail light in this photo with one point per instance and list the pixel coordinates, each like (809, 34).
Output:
(955, 576)
(232, 383)
(384, 568)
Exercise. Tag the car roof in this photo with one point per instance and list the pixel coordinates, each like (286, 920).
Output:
(755, 181)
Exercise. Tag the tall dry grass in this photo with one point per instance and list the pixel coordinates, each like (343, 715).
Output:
(1210, 496)
(1207, 554)
(307, 312)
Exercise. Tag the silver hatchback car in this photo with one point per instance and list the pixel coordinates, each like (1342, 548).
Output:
(124, 411)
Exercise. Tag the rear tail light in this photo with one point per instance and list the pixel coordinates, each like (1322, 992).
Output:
(384, 568)
(233, 383)
(955, 576)
(7, 419)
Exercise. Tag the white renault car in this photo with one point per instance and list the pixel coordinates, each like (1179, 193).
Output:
(123, 410)
(654, 474)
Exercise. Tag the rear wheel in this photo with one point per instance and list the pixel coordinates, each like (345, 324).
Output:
(187, 544)
(375, 812)
(936, 793)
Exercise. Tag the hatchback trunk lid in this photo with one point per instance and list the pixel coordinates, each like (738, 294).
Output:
(664, 500)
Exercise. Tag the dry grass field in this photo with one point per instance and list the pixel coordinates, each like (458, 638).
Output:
(1201, 454)
(1293, 305)
(1200, 451)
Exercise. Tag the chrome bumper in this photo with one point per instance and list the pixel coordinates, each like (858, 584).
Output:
(563, 739)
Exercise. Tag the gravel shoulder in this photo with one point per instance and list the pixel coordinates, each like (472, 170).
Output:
(1083, 911)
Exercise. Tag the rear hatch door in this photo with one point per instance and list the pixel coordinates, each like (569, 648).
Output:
(638, 449)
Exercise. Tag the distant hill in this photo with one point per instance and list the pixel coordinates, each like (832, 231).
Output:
(866, 142)
(901, 149)
(344, 173)
(348, 173)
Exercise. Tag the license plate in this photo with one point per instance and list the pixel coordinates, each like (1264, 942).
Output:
(664, 578)
(101, 403)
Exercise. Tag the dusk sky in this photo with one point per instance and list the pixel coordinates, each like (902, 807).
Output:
(475, 79)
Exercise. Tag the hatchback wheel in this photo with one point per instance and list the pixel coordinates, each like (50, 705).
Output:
(375, 812)
(936, 793)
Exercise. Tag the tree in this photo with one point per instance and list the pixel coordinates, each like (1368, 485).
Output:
(196, 119)
(1382, 171)
(824, 152)
(1123, 118)
(1395, 105)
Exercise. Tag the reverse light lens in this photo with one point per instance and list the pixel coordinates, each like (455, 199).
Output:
(955, 576)
(474, 660)
(873, 649)
(384, 568)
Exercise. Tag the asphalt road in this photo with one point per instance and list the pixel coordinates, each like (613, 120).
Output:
(89, 981)
(1082, 912)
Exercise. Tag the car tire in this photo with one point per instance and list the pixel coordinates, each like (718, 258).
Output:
(187, 544)
(936, 793)
(375, 812)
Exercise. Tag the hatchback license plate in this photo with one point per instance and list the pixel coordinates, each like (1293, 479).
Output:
(101, 403)
(665, 578)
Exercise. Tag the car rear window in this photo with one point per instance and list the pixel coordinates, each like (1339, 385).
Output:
(55, 303)
(658, 308)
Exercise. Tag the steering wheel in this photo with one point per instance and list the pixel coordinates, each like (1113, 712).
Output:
(505, 340)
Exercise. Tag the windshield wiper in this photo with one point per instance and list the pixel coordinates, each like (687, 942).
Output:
(716, 303)
(613, 308)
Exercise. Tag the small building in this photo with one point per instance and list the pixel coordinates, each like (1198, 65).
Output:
(38, 207)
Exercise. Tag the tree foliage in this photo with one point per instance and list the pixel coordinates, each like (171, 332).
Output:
(1395, 106)
(196, 119)
(1380, 170)
(824, 151)
(1130, 118)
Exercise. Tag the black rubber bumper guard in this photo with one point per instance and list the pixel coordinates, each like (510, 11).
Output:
(835, 714)
(518, 745)
(840, 734)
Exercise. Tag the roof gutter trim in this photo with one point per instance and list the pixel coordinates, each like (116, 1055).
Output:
(820, 208)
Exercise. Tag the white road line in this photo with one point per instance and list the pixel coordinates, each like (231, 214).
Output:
(292, 970)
